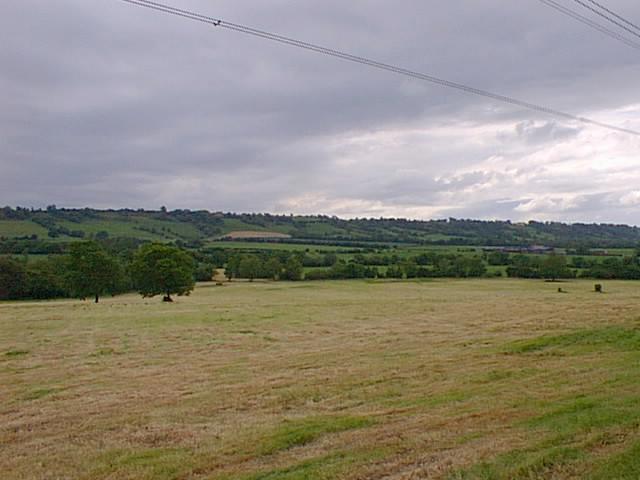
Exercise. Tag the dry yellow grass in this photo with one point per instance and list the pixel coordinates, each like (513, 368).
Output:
(396, 380)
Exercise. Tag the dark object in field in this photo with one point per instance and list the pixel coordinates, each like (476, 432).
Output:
(560, 290)
(167, 298)
(598, 288)
(219, 284)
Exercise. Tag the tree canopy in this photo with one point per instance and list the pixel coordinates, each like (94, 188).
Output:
(162, 269)
(12, 279)
(554, 267)
(91, 271)
(293, 269)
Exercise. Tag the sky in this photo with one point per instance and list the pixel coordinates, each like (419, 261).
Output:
(108, 105)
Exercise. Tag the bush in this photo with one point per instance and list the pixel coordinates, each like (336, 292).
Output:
(204, 272)
(318, 274)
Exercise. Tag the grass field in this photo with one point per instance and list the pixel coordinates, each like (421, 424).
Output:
(136, 228)
(288, 247)
(21, 228)
(249, 234)
(451, 379)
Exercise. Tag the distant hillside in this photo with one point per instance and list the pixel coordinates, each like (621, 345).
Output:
(63, 225)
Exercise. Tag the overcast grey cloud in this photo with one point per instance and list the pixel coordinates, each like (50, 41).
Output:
(106, 104)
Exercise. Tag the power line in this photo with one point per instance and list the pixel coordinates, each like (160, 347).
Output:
(609, 18)
(369, 62)
(591, 23)
(614, 14)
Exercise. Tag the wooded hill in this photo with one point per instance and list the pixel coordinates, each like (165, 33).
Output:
(56, 225)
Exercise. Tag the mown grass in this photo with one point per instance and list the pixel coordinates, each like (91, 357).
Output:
(475, 379)
(16, 353)
(571, 429)
(38, 393)
(622, 466)
(322, 468)
(613, 337)
(301, 432)
(149, 464)
(522, 465)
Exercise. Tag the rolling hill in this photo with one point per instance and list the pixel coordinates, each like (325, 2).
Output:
(63, 225)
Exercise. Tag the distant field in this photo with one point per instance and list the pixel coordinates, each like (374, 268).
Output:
(233, 224)
(240, 245)
(142, 228)
(32, 257)
(451, 379)
(243, 234)
(21, 228)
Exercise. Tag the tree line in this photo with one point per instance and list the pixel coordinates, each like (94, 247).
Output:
(314, 266)
(558, 266)
(89, 270)
(291, 266)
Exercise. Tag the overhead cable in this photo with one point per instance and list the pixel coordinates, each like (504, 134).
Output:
(591, 23)
(633, 30)
(217, 22)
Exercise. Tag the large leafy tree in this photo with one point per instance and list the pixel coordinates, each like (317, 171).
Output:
(554, 267)
(249, 267)
(163, 269)
(91, 271)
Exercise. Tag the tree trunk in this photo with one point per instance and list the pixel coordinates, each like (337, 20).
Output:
(167, 298)
(96, 298)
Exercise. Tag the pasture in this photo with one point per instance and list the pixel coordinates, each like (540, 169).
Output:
(450, 379)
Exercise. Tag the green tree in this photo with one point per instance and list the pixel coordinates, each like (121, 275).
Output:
(204, 272)
(45, 278)
(554, 267)
(249, 267)
(12, 279)
(162, 269)
(91, 271)
(472, 266)
(232, 268)
(273, 268)
(410, 268)
(293, 269)
(498, 258)
(330, 259)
